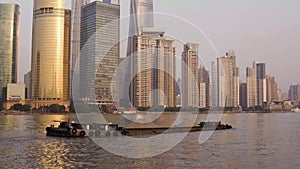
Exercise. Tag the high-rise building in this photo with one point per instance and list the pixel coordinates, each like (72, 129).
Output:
(204, 87)
(141, 16)
(99, 59)
(279, 95)
(153, 70)
(251, 87)
(75, 39)
(9, 41)
(228, 81)
(294, 92)
(50, 72)
(27, 81)
(261, 83)
(190, 91)
(214, 85)
(243, 95)
(271, 88)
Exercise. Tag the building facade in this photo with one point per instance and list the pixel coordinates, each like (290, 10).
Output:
(214, 85)
(153, 70)
(14, 94)
(27, 82)
(251, 87)
(228, 81)
(50, 72)
(261, 83)
(141, 16)
(294, 92)
(75, 41)
(243, 95)
(271, 89)
(204, 87)
(9, 41)
(190, 77)
(99, 59)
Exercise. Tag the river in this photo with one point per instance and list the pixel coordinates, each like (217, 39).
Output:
(270, 140)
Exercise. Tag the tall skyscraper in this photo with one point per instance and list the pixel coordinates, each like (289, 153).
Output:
(204, 87)
(154, 70)
(294, 92)
(9, 41)
(228, 81)
(190, 92)
(27, 81)
(75, 37)
(99, 59)
(261, 83)
(141, 16)
(271, 88)
(251, 86)
(50, 72)
(214, 85)
(243, 95)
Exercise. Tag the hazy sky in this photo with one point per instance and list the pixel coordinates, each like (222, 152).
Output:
(261, 30)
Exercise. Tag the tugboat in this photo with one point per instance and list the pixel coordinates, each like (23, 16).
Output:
(66, 129)
(214, 126)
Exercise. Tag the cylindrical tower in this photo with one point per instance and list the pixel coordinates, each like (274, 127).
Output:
(50, 80)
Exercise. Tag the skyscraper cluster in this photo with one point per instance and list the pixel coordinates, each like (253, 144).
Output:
(261, 88)
(79, 49)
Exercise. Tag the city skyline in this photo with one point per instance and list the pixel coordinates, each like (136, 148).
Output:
(270, 38)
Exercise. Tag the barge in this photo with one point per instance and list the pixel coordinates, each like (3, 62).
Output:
(66, 129)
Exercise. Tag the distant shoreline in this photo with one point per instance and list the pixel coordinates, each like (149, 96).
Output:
(12, 112)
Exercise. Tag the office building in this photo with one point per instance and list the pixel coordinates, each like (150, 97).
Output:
(99, 59)
(228, 81)
(75, 41)
(9, 42)
(261, 83)
(190, 91)
(50, 71)
(13, 94)
(27, 81)
(251, 86)
(243, 95)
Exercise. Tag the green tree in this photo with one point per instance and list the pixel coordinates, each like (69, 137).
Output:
(56, 108)
(1, 106)
(17, 107)
(26, 107)
(104, 108)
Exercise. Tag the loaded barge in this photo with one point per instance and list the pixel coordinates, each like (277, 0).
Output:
(66, 129)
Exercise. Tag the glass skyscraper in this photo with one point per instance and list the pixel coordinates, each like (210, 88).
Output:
(141, 16)
(99, 58)
(75, 37)
(50, 53)
(9, 39)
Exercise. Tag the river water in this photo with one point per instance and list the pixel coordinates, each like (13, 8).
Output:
(269, 140)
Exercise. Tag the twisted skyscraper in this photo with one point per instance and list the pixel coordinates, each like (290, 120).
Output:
(141, 16)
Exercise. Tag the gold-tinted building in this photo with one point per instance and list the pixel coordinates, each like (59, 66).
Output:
(50, 53)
